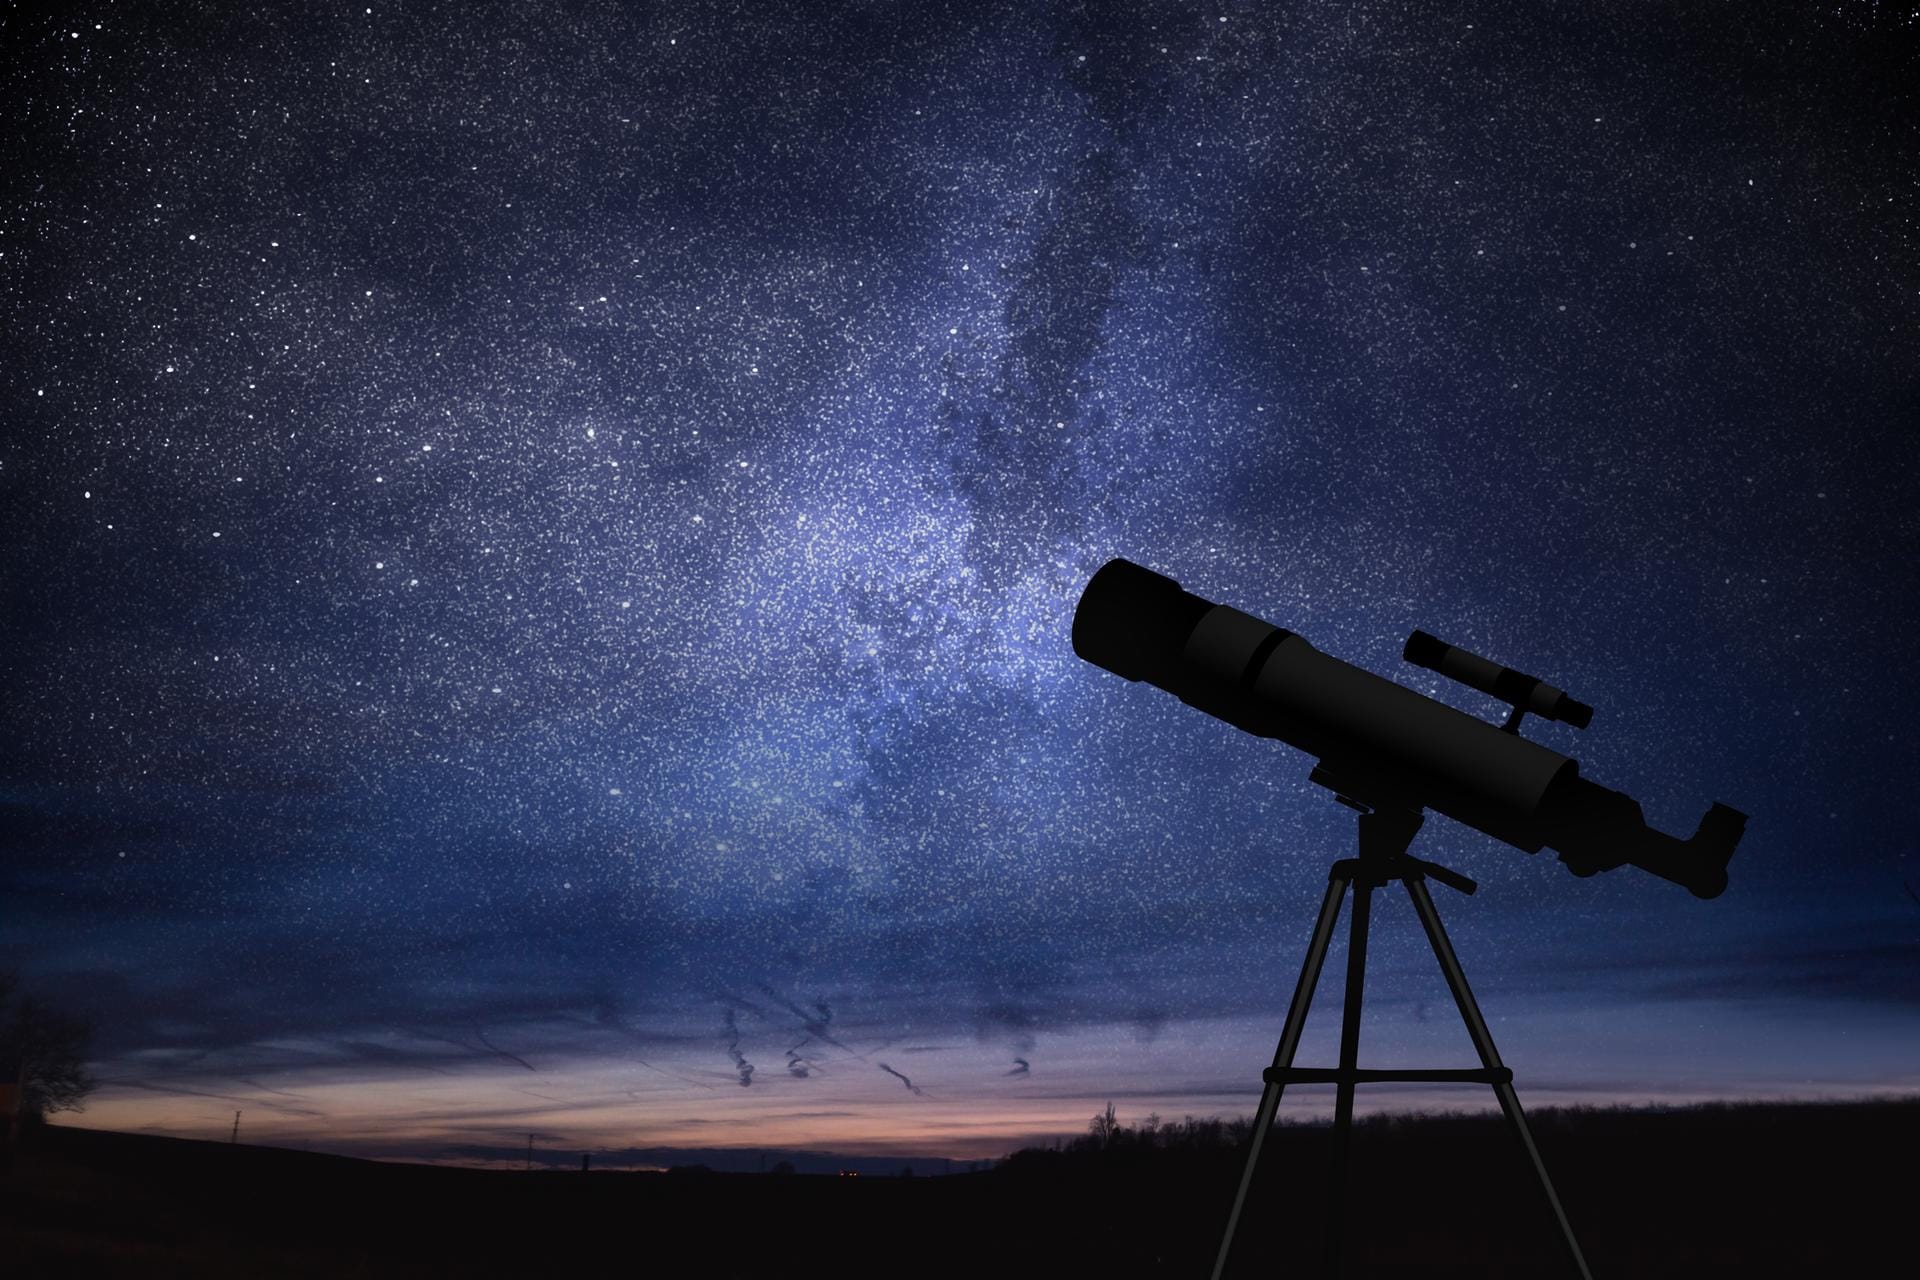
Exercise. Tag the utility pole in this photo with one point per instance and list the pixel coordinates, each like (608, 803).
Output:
(529, 1153)
(236, 1128)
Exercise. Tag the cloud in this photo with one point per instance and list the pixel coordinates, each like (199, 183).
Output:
(1148, 1024)
(244, 1099)
(607, 1015)
(1020, 1067)
(911, 1087)
(740, 1063)
(1016, 1022)
(510, 1057)
(386, 1054)
(815, 1021)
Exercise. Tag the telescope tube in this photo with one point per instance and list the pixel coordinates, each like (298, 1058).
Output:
(1387, 739)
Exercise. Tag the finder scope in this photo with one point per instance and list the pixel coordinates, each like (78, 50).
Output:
(1523, 693)
(1385, 743)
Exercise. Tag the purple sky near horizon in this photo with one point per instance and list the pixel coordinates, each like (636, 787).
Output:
(540, 540)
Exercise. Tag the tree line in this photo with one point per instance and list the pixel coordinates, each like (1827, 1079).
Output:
(1108, 1139)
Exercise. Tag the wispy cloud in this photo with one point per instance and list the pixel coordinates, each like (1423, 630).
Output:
(815, 1021)
(1007, 1020)
(481, 1036)
(387, 1054)
(243, 1099)
(911, 1086)
(607, 1016)
(740, 1063)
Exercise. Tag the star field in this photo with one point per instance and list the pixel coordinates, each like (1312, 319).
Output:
(540, 544)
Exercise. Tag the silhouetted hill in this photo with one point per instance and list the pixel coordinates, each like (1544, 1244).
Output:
(1748, 1190)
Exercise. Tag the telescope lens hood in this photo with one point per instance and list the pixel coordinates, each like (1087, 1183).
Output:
(1135, 622)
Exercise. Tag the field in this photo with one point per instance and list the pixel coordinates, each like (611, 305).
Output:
(1748, 1190)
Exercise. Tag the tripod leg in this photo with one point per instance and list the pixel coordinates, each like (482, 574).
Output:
(1349, 1062)
(1490, 1058)
(1283, 1054)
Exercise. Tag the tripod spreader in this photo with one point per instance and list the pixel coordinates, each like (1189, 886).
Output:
(1378, 873)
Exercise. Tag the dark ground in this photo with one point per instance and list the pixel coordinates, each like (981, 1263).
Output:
(1716, 1191)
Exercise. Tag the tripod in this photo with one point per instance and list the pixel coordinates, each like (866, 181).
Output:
(1385, 833)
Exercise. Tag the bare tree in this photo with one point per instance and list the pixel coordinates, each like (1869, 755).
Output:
(42, 1054)
(1104, 1127)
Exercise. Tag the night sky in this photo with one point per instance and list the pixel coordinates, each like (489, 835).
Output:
(539, 543)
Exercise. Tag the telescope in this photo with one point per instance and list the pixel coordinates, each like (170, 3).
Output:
(1379, 742)
(1391, 753)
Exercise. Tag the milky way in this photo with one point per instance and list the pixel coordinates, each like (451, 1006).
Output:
(547, 534)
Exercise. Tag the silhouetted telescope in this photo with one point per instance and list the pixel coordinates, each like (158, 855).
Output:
(1379, 742)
